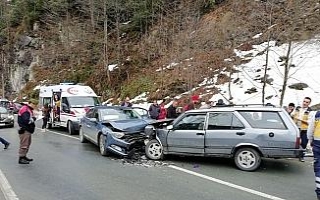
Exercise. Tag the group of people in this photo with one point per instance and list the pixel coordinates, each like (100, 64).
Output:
(308, 122)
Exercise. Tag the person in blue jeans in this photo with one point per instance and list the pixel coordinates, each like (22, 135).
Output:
(5, 143)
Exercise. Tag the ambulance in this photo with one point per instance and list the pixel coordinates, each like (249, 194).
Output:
(67, 103)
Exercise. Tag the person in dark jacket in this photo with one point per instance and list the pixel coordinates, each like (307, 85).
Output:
(220, 103)
(172, 110)
(154, 110)
(26, 123)
(126, 102)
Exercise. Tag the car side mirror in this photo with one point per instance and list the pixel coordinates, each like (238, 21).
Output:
(170, 127)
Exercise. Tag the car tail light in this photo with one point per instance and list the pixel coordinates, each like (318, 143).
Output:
(86, 109)
(298, 142)
(73, 113)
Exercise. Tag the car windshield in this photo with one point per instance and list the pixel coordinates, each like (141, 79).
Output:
(4, 103)
(3, 110)
(118, 114)
(80, 102)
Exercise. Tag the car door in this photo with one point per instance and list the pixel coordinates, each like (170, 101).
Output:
(187, 135)
(93, 125)
(270, 133)
(224, 131)
(86, 124)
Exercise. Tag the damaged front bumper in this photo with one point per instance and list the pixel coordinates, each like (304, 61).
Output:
(127, 145)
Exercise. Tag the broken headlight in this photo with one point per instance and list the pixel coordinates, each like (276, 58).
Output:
(117, 134)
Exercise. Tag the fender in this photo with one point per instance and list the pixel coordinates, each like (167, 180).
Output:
(246, 144)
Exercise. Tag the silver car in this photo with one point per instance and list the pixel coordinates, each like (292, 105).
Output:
(240, 132)
(6, 117)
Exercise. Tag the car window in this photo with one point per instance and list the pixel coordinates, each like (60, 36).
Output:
(3, 110)
(118, 114)
(263, 119)
(224, 120)
(191, 122)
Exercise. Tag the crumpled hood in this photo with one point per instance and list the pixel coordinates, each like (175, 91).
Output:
(132, 125)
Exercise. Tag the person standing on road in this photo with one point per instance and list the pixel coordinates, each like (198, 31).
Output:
(172, 110)
(26, 123)
(5, 143)
(290, 108)
(154, 110)
(313, 134)
(46, 115)
(126, 102)
(301, 117)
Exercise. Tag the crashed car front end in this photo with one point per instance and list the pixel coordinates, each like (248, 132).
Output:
(6, 120)
(123, 143)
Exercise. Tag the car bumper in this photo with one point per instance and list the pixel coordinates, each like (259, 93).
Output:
(126, 146)
(6, 123)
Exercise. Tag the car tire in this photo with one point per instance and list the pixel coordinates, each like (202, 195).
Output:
(103, 145)
(247, 159)
(154, 150)
(82, 138)
(70, 128)
(49, 126)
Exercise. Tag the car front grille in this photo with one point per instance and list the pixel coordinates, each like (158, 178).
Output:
(134, 137)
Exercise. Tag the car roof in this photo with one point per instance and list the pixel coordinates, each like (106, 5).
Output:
(114, 107)
(238, 108)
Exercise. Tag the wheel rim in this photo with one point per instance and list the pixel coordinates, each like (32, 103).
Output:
(247, 159)
(102, 144)
(155, 150)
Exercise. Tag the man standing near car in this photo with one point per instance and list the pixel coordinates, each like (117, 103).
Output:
(26, 121)
(313, 134)
(301, 117)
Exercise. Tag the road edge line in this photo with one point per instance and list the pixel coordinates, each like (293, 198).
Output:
(261, 194)
(6, 188)
(57, 133)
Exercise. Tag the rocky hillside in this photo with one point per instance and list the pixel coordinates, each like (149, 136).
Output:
(125, 48)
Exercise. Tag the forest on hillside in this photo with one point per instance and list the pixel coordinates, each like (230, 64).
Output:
(77, 40)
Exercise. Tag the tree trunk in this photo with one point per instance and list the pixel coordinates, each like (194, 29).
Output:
(286, 73)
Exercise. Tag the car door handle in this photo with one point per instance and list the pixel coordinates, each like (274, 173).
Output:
(88, 126)
(240, 133)
(200, 133)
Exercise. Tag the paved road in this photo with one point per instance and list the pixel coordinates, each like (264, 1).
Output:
(65, 169)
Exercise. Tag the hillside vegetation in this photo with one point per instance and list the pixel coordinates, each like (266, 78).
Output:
(164, 47)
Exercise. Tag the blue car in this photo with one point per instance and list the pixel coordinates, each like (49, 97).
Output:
(115, 129)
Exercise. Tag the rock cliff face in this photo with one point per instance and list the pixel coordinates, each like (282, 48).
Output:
(25, 59)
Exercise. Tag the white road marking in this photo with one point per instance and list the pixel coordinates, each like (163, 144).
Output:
(6, 188)
(261, 194)
(57, 133)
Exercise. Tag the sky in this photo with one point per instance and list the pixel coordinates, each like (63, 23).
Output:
(305, 61)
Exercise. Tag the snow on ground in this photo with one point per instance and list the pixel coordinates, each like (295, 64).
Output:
(306, 58)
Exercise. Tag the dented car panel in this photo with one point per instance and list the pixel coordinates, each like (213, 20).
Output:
(244, 133)
(122, 129)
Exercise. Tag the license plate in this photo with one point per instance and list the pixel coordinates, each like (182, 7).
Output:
(2, 124)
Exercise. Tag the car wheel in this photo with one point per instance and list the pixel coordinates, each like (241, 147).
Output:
(49, 126)
(103, 145)
(247, 159)
(70, 128)
(82, 138)
(154, 150)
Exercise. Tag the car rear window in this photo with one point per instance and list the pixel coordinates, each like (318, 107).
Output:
(263, 119)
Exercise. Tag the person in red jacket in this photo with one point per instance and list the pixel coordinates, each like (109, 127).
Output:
(163, 110)
(26, 123)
